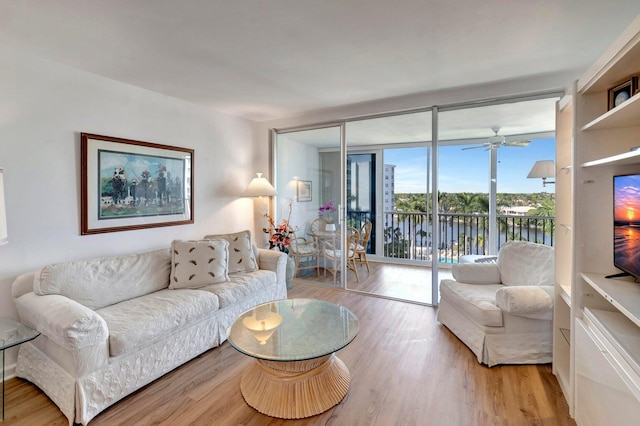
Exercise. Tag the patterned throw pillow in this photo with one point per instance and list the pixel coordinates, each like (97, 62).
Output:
(241, 256)
(198, 263)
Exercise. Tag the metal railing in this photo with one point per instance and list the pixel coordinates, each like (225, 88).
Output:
(408, 236)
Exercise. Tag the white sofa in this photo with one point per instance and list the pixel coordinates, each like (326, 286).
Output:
(503, 311)
(110, 326)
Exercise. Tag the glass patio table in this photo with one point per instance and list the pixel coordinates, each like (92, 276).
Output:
(296, 373)
(12, 333)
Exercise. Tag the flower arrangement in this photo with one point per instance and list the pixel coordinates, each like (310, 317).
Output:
(326, 212)
(280, 234)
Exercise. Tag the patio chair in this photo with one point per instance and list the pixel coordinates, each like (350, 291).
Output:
(300, 249)
(333, 253)
(361, 247)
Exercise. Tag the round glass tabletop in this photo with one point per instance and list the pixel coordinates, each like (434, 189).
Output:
(293, 330)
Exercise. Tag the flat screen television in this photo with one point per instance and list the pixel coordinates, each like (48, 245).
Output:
(626, 225)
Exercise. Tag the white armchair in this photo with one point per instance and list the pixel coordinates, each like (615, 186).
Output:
(503, 311)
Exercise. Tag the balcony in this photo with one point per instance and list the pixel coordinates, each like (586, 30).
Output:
(407, 235)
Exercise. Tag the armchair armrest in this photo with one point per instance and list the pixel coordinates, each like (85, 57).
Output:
(476, 273)
(534, 302)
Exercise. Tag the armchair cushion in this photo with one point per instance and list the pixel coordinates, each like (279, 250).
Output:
(476, 273)
(525, 263)
(526, 301)
(478, 302)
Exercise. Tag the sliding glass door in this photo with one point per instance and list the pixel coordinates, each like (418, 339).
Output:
(423, 189)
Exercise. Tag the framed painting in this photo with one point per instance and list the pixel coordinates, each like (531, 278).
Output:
(127, 184)
(304, 190)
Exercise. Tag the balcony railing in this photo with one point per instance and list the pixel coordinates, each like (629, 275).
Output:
(408, 236)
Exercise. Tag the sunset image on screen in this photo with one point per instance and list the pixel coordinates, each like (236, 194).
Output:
(627, 200)
(626, 229)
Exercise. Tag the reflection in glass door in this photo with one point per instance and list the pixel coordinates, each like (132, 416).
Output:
(308, 181)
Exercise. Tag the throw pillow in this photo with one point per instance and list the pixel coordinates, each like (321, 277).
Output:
(241, 256)
(198, 263)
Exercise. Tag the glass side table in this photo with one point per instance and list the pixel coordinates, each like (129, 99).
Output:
(12, 333)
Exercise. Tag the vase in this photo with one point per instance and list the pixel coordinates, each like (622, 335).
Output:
(330, 227)
(291, 269)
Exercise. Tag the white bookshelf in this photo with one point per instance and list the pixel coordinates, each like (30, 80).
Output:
(604, 326)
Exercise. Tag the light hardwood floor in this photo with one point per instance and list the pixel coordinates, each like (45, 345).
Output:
(406, 369)
(399, 281)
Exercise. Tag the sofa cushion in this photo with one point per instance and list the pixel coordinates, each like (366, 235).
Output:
(476, 302)
(534, 302)
(525, 263)
(241, 287)
(241, 254)
(141, 321)
(101, 282)
(198, 263)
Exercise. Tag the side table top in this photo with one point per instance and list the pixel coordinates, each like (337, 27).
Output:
(13, 333)
(293, 330)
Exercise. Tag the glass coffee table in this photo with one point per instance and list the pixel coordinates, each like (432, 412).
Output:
(12, 333)
(296, 373)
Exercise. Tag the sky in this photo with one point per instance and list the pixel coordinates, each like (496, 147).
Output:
(468, 170)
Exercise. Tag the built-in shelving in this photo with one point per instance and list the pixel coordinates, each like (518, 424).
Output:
(620, 332)
(624, 115)
(622, 293)
(596, 319)
(566, 294)
(629, 157)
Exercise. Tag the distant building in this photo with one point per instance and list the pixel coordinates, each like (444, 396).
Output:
(389, 187)
(516, 210)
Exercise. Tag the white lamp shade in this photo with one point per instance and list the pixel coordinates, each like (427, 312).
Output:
(260, 187)
(542, 169)
(4, 237)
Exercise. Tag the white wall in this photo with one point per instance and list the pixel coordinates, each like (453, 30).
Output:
(297, 160)
(44, 107)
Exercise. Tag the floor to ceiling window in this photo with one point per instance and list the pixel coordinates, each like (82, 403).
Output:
(382, 173)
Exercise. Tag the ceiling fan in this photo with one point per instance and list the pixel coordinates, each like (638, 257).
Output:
(497, 141)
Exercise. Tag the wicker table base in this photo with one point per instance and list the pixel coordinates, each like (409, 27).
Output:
(296, 389)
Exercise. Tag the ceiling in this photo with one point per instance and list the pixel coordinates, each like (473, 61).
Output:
(271, 59)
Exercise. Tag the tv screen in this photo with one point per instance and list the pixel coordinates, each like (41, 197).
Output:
(626, 224)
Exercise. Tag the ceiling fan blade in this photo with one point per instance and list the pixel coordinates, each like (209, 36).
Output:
(474, 147)
(520, 144)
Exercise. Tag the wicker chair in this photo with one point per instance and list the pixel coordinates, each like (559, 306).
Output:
(361, 247)
(332, 252)
(300, 249)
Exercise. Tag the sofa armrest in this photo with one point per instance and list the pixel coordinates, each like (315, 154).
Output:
(64, 321)
(534, 302)
(276, 261)
(476, 273)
